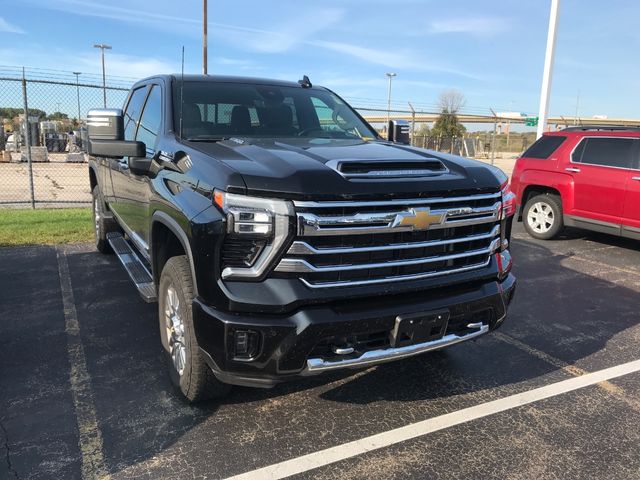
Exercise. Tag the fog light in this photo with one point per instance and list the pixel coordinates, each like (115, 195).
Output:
(246, 344)
(505, 263)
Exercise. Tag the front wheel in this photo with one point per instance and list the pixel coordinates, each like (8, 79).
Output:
(543, 216)
(187, 369)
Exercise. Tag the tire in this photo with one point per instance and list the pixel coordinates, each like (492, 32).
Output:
(101, 223)
(542, 216)
(187, 369)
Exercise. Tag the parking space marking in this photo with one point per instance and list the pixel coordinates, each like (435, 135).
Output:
(358, 447)
(572, 370)
(630, 271)
(90, 436)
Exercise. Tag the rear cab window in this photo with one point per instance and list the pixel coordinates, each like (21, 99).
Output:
(544, 146)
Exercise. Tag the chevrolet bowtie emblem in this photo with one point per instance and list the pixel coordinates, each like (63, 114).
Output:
(418, 218)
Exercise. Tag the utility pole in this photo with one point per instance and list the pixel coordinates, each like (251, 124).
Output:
(204, 37)
(575, 121)
(509, 124)
(390, 75)
(413, 122)
(493, 137)
(102, 48)
(545, 91)
(77, 74)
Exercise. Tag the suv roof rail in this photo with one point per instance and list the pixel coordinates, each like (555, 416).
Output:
(602, 127)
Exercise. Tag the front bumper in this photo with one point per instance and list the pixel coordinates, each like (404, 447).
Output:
(301, 344)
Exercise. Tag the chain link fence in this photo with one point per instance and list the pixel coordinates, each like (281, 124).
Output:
(44, 137)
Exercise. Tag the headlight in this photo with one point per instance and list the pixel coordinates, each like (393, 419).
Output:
(257, 229)
(508, 201)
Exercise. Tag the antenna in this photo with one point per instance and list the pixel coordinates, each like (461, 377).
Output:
(305, 82)
(181, 92)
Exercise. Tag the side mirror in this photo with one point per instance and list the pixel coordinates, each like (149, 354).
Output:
(399, 132)
(105, 124)
(116, 148)
(106, 135)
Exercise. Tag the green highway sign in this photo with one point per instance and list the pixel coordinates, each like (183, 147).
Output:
(531, 121)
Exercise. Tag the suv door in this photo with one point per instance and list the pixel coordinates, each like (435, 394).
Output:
(134, 190)
(599, 167)
(631, 215)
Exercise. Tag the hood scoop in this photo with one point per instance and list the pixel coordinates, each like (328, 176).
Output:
(427, 167)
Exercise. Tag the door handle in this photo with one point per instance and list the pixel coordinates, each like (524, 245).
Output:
(572, 169)
(637, 179)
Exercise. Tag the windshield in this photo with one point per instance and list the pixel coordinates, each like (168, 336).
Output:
(217, 110)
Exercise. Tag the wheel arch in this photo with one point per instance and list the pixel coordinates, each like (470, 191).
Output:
(538, 182)
(168, 239)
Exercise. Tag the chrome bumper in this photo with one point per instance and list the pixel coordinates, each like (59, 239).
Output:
(374, 357)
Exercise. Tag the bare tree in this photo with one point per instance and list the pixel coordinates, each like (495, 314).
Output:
(451, 101)
(447, 124)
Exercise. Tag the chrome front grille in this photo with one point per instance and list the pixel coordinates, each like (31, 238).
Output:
(360, 243)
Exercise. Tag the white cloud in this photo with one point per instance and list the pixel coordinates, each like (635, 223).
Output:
(59, 60)
(285, 35)
(280, 37)
(9, 28)
(127, 65)
(470, 25)
(396, 60)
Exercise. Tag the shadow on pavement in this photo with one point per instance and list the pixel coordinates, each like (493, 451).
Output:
(566, 313)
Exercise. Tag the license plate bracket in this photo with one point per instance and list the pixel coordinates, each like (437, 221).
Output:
(417, 328)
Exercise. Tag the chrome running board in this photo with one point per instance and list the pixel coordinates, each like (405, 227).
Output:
(137, 271)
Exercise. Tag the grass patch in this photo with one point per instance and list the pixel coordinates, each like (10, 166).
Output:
(47, 226)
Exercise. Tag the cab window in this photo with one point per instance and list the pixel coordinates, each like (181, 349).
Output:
(132, 112)
(151, 119)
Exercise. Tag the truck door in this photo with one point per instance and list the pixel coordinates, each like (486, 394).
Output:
(124, 195)
(138, 186)
(599, 170)
(631, 215)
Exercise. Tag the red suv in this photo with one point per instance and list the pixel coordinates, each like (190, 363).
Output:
(586, 177)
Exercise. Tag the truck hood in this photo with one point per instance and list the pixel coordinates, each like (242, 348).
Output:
(302, 168)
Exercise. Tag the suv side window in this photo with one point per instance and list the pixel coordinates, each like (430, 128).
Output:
(605, 151)
(132, 112)
(544, 146)
(150, 121)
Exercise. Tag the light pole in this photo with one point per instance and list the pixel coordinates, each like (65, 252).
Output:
(77, 74)
(204, 36)
(103, 47)
(390, 75)
(545, 91)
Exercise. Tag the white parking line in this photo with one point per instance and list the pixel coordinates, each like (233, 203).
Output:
(402, 434)
(90, 436)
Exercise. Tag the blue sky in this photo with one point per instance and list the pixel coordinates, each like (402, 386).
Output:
(492, 51)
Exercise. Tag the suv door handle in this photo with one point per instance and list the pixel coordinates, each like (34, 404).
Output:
(572, 169)
(637, 179)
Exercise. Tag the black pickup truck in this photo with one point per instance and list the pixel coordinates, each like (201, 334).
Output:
(282, 237)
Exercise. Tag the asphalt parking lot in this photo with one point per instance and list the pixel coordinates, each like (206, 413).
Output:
(83, 389)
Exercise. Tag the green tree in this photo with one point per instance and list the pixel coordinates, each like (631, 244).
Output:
(423, 130)
(10, 112)
(58, 116)
(447, 124)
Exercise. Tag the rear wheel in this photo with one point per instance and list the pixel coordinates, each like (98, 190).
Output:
(102, 224)
(187, 369)
(543, 216)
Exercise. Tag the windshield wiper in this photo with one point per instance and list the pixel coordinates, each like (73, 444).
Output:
(206, 138)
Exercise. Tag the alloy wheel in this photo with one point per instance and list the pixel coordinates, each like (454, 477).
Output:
(540, 217)
(174, 327)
